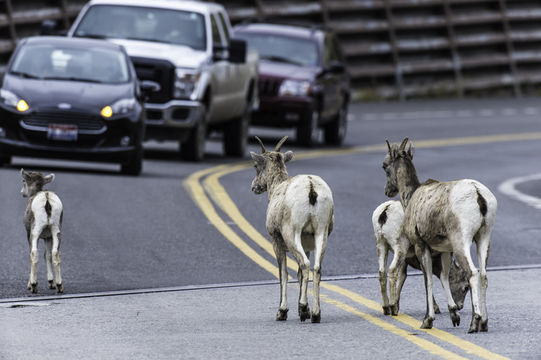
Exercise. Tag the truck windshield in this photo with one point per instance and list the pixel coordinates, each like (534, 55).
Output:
(46, 61)
(278, 48)
(144, 23)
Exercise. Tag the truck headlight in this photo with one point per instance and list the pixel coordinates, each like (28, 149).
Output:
(10, 99)
(120, 107)
(294, 88)
(185, 83)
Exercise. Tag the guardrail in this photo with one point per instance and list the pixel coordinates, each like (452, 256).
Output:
(394, 48)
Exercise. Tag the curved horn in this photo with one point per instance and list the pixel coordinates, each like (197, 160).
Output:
(263, 150)
(403, 145)
(280, 143)
(388, 145)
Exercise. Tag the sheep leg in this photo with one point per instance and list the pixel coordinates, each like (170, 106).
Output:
(299, 275)
(383, 251)
(464, 259)
(446, 259)
(423, 254)
(49, 262)
(56, 258)
(280, 253)
(33, 279)
(395, 269)
(304, 266)
(320, 246)
(483, 246)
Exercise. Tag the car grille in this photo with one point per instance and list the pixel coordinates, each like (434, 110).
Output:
(269, 87)
(160, 71)
(83, 121)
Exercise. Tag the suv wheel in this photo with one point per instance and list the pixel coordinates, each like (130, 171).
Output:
(335, 132)
(193, 149)
(236, 135)
(308, 131)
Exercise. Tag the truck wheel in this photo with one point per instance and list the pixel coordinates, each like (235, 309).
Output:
(236, 135)
(193, 148)
(335, 132)
(308, 131)
(135, 165)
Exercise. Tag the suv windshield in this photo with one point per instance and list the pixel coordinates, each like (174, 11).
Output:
(144, 23)
(46, 61)
(280, 48)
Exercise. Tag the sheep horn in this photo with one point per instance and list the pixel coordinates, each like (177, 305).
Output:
(403, 145)
(388, 145)
(280, 143)
(263, 150)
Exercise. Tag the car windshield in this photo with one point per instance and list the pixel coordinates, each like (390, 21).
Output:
(142, 23)
(278, 48)
(91, 64)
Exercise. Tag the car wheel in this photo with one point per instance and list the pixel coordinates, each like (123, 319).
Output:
(335, 132)
(135, 164)
(308, 130)
(193, 148)
(236, 135)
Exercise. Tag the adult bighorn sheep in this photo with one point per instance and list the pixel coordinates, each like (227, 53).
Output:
(387, 222)
(446, 217)
(299, 220)
(42, 219)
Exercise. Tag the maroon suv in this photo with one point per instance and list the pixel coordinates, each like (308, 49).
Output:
(303, 82)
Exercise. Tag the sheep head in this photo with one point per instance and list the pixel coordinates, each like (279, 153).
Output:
(394, 154)
(33, 182)
(270, 166)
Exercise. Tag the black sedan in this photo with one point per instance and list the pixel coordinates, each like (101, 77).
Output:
(72, 98)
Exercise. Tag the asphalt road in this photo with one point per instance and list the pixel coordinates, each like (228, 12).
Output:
(145, 232)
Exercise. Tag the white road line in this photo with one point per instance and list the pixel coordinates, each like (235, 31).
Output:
(508, 187)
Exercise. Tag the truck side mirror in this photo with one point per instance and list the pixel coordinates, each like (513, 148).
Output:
(237, 51)
(52, 27)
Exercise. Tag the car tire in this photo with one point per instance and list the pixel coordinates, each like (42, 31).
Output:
(135, 164)
(235, 135)
(335, 132)
(308, 130)
(193, 148)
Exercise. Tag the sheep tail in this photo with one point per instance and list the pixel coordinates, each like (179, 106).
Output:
(312, 195)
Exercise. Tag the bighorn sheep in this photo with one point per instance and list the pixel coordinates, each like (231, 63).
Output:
(387, 222)
(446, 217)
(42, 219)
(299, 220)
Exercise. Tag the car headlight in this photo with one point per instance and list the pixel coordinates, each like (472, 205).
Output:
(120, 107)
(294, 88)
(185, 83)
(10, 99)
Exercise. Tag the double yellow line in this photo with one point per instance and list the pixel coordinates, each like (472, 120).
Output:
(208, 193)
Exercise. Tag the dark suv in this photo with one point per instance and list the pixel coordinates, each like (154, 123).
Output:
(303, 82)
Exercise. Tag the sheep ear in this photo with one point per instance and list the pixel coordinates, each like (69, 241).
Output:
(24, 174)
(288, 156)
(258, 159)
(411, 151)
(47, 179)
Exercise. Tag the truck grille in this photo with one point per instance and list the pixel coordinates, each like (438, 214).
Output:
(269, 87)
(83, 121)
(160, 71)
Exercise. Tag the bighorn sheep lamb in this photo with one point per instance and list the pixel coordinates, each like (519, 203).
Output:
(42, 219)
(446, 217)
(299, 220)
(387, 222)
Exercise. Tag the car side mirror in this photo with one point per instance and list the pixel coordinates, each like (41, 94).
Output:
(147, 87)
(237, 51)
(52, 27)
(335, 67)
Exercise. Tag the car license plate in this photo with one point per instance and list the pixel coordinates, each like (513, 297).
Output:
(62, 132)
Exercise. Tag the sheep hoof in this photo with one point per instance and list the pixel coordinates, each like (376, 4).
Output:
(316, 318)
(437, 309)
(474, 326)
(59, 288)
(34, 288)
(304, 312)
(455, 317)
(386, 310)
(52, 285)
(281, 315)
(427, 323)
(394, 310)
(483, 325)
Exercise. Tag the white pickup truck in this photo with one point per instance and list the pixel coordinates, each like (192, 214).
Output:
(207, 80)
